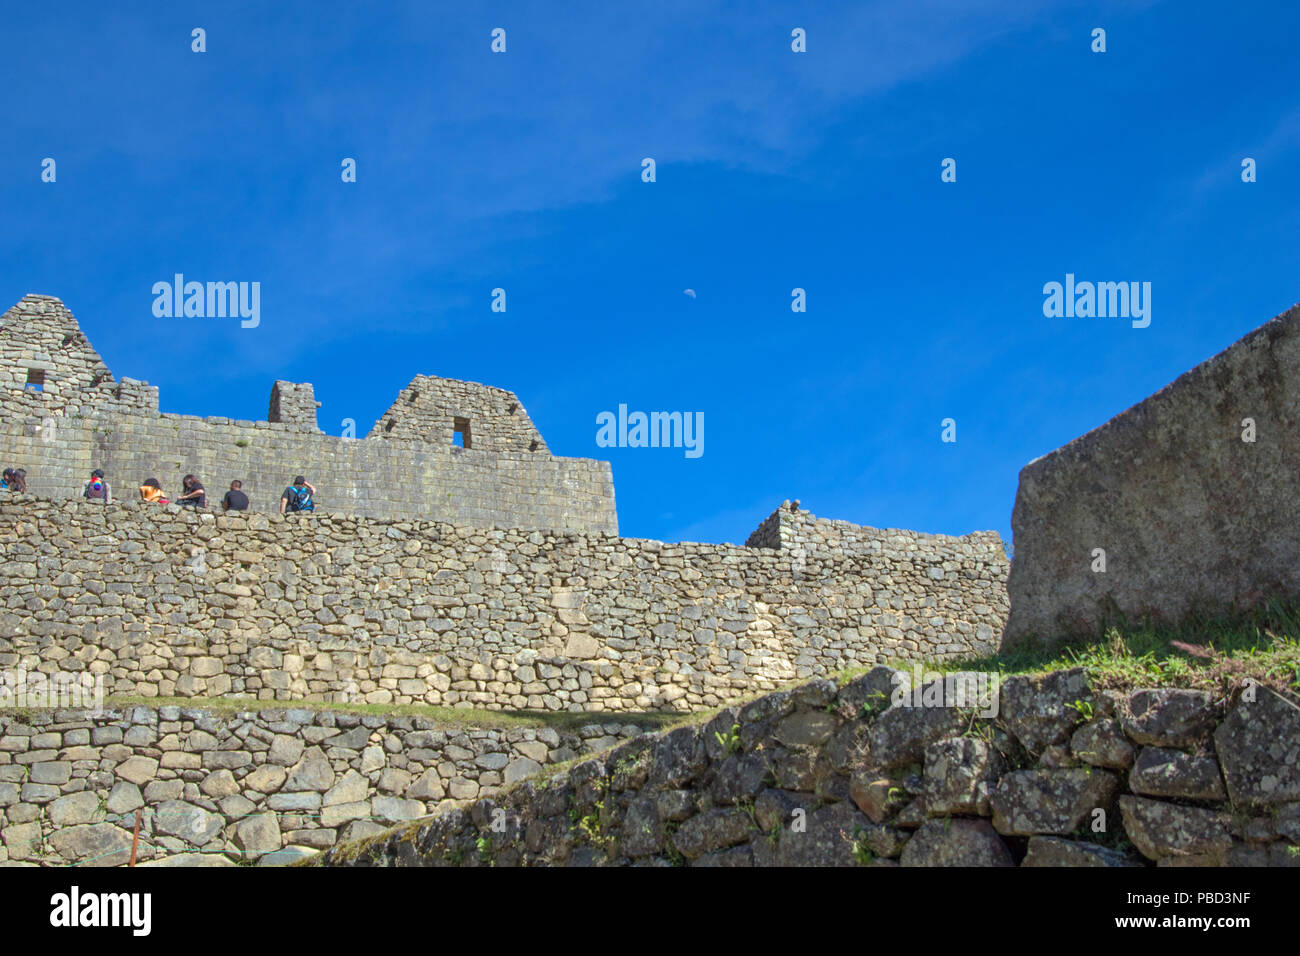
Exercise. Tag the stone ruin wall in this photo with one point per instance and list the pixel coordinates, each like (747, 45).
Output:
(85, 419)
(830, 775)
(165, 602)
(1194, 521)
(822, 774)
(246, 785)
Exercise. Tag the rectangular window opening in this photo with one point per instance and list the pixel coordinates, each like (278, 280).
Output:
(460, 436)
(35, 379)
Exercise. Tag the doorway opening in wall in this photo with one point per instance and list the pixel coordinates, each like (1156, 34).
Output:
(460, 433)
(35, 380)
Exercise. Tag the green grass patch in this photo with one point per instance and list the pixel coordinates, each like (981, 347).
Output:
(1212, 654)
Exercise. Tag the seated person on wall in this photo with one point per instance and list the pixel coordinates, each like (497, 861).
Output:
(97, 488)
(298, 497)
(235, 499)
(193, 495)
(18, 481)
(152, 492)
(4, 482)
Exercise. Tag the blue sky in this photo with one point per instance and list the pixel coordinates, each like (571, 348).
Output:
(776, 170)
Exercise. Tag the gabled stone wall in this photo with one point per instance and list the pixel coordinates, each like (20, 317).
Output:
(431, 409)
(84, 419)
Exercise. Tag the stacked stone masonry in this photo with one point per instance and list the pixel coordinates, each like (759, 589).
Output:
(824, 775)
(62, 414)
(165, 602)
(260, 785)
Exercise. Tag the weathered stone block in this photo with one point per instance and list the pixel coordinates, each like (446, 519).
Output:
(1192, 518)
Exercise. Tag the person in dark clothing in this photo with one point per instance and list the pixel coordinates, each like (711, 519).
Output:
(193, 493)
(97, 488)
(18, 481)
(299, 496)
(235, 499)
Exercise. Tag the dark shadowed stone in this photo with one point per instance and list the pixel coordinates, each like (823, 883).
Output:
(643, 833)
(1287, 822)
(773, 808)
(679, 757)
(767, 707)
(912, 814)
(1050, 801)
(832, 788)
(881, 841)
(1053, 851)
(1037, 709)
(711, 830)
(800, 770)
(1169, 717)
(871, 693)
(956, 842)
(589, 783)
(878, 797)
(355, 739)
(900, 734)
(817, 694)
(553, 799)
(827, 839)
(1160, 772)
(584, 856)
(1056, 757)
(1259, 747)
(675, 804)
(1161, 829)
(740, 778)
(806, 728)
(960, 773)
(1102, 744)
(718, 731)
(736, 856)
(1281, 854)
(847, 747)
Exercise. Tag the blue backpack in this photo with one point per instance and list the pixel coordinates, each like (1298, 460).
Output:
(301, 500)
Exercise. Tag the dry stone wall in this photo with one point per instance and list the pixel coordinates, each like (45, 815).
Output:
(1189, 497)
(824, 775)
(258, 785)
(165, 602)
(83, 419)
